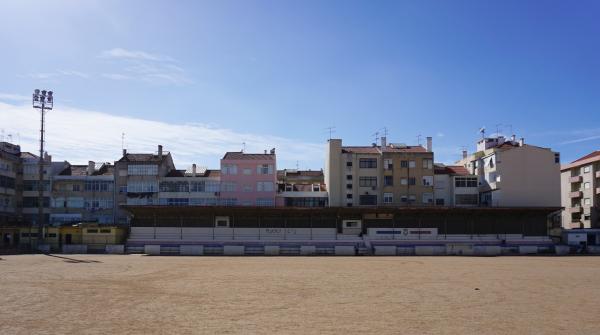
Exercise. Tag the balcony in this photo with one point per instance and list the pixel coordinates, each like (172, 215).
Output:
(576, 194)
(576, 179)
(576, 209)
(597, 174)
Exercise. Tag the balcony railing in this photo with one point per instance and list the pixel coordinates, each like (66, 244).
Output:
(576, 194)
(576, 179)
(576, 209)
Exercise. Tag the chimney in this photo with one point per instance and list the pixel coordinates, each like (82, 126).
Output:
(429, 144)
(464, 152)
(521, 141)
(159, 151)
(265, 151)
(91, 168)
(383, 141)
(513, 138)
(124, 152)
(193, 170)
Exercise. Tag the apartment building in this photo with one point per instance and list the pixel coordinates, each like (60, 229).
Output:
(137, 178)
(514, 174)
(83, 193)
(580, 192)
(196, 187)
(30, 191)
(301, 188)
(10, 182)
(248, 179)
(392, 174)
(455, 186)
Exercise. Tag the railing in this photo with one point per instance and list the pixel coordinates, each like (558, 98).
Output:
(576, 179)
(576, 194)
(576, 209)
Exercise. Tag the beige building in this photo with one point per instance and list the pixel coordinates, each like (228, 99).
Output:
(455, 186)
(514, 174)
(196, 187)
(83, 193)
(137, 178)
(379, 175)
(580, 192)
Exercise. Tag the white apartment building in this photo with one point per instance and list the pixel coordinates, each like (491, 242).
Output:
(580, 192)
(514, 174)
(196, 187)
(455, 186)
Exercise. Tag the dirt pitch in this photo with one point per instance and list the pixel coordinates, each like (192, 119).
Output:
(107, 294)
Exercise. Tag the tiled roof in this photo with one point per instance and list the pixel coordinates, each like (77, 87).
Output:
(81, 170)
(238, 155)
(141, 158)
(452, 169)
(212, 173)
(587, 159)
(377, 149)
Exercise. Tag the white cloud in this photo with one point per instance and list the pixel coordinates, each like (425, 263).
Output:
(78, 136)
(56, 74)
(146, 67)
(14, 97)
(119, 53)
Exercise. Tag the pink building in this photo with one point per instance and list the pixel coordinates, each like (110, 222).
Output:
(248, 179)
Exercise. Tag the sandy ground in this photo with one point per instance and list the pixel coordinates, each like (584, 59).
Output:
(108, 294)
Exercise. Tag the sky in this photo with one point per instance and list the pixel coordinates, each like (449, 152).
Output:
(205, 77)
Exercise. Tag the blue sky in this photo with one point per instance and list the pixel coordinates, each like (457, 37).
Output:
(201, 77)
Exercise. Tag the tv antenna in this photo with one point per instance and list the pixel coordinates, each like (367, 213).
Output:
(482, 131)
(419, 139)
(243, 146)
(376, 135)
(122, 141)
(331, 131)
(498, 128)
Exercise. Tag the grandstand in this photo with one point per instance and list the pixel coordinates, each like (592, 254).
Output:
(189, 230)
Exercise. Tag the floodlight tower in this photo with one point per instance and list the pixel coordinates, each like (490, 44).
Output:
(42, 100)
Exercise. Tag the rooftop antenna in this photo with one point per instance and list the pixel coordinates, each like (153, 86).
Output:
(10, 138)
(510, 127)
(376, 136)
(498, 129)
(243, 146)
(482, 131)
(122, 141)
(419, 139)
(331, 131)
(297, 165)
(385, 131)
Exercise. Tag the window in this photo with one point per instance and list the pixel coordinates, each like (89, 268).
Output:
(387, 164)
(142, 186)
(349, 164)
(174, 186)
(98, 186)
(142, 170)
(104, 231)
(76, 187)
(264, 186)
(349, 186)
(316, 188)
(586, 185)
(465, 181)
(229, 186)
(367, 163)
(349, 196)
(7, 182)
(367, 182)
(247, 188)
(289, 187)
(404, 198)
(264, 169)
(439, 202)
(412, 181)
(388, 180)
(222, 221)
(174, 201)
(98, 204)
(427, 180)
(247, 172)
(587, 202)
(403, 164)
(92, 231)
(388, 198)
(586, 169)
(351, 224)
(556, 157)
(229, 169)
(412, 198)
(466, 199)
(403, 181)
(348, 177)
(264, 202)
(411, 164)
(368, 200)
(427, 198)
(428, 164)
(122, 189)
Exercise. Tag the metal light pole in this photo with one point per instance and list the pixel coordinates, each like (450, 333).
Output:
(43, 100)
